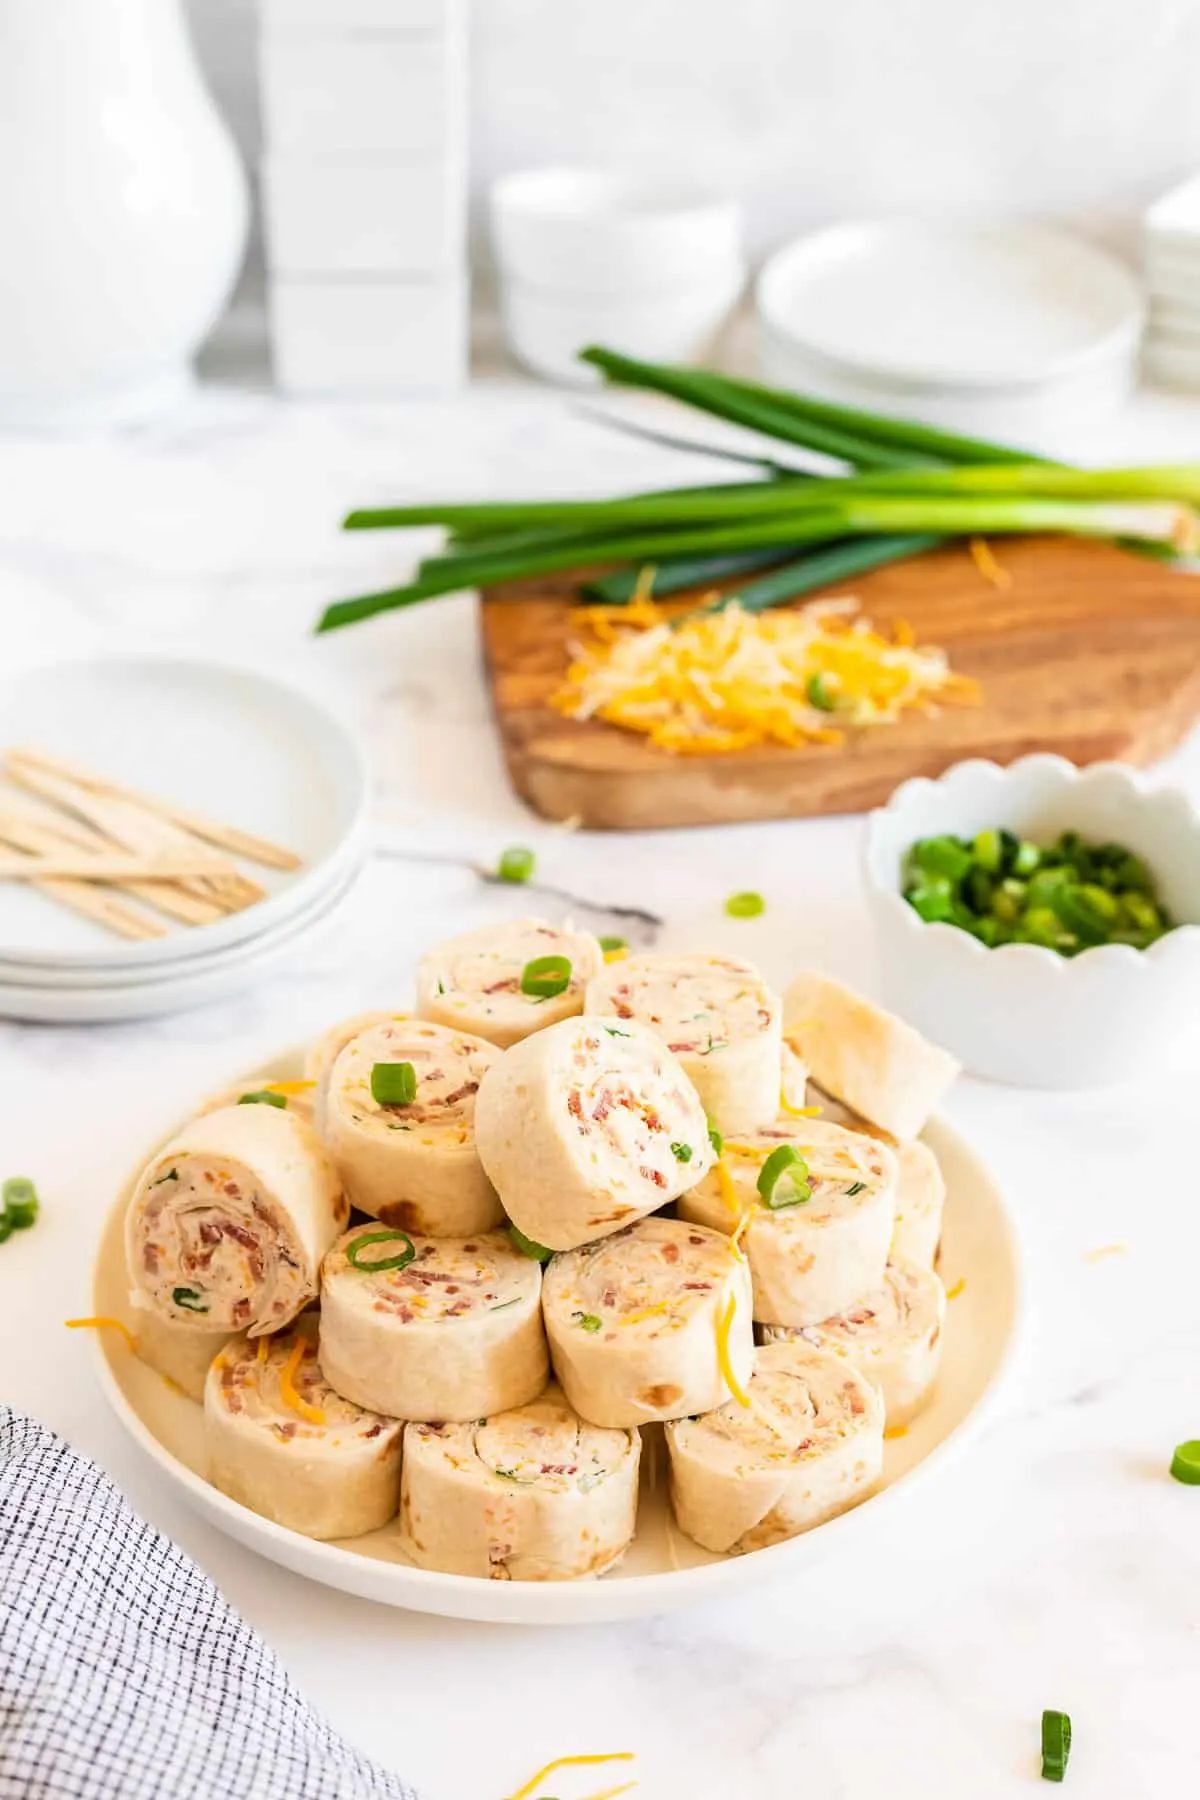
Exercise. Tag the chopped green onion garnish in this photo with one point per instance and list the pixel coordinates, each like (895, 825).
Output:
(715, 1139)
(819, 695)
(528, 1246)
(171, 1175)
(393, 1083)
(546, 976)
(263, 1097)
(20, 1202)
(189, 1299)
(1185, 1464)
(6, 1227)
(856, 1187)
(587, 1321)
(609, 944)
(1056, 1745)
(784, 1161)
(681, 1152)
(516, 866)
(745, 906)
(388, 1236)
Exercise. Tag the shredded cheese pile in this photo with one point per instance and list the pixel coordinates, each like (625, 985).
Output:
(731, 680)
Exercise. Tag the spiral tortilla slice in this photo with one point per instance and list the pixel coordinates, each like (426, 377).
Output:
(866, 1057)
(812, 1257)
(283, 1443)
(180, 1353)
(920, 1184)
(534, 1494)
(321, 1055)
(473, 982)
(587, 1126)
(453, 1335)
(227, 1225)
(415, 1165)
(716, 1015)
(635, 1322)
(893, 1336)
(809, 1446)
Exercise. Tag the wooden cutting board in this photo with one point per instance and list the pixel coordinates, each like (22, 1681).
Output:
(1090, 652)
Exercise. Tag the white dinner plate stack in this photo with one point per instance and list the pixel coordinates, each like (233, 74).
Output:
(1003, 331)
(218, 740)
(1171, 256)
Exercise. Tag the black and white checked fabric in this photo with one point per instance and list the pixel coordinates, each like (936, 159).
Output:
(123, 1673)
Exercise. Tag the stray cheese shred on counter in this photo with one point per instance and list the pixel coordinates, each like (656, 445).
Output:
(727, 680)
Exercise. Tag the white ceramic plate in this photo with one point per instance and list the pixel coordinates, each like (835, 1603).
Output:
(663, 1569)
(952, 305)
(154, 993)
(222, 740)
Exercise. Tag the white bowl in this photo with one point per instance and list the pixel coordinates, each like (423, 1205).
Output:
(1020, 1013)
(589, 231)
(546, 332)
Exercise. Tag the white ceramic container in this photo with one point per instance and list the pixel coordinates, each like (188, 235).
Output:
(600, 234)
(123, 210)
(370, 338)
(1020, 1013)
(546, 331)
(346, 216)
(327, 94)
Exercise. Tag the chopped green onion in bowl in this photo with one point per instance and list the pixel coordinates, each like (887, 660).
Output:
(1068, 896)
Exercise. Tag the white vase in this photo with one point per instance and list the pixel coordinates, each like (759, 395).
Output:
(123, 210)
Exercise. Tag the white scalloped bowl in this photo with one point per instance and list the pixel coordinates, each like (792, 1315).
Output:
(1020, 1013)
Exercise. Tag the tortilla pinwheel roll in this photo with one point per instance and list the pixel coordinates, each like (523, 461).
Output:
(716, 1015)
(808, 1446)
(179, 1353)
(534, 1494)
(282, 1442)
(587, 1126)
(399, 1120)
(262, 1090)
(644, 1325)
(920, 1184)
(874, 1062)
(893, 1336)
(821, 1205)
(227, 1225)
(324, 1052)
(432, 1328)
(506, 981)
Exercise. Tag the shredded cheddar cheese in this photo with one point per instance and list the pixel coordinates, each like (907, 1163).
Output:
(723, 1363)
(264, 1349)
(646, 1312)
(568, 1762)
(726, 680)
(103, 1323)
(797, 1112)
(952, 1293)
(618, 954)
(1104, 1250)
(289, 1087)
(287, 1387)
(726, 1186)
(896, 1431)
(984, 559)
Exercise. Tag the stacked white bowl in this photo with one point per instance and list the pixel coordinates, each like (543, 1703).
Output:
(1005, 330)
(1171, 257)
(638, 264)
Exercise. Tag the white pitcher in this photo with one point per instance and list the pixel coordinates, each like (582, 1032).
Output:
(123, 210)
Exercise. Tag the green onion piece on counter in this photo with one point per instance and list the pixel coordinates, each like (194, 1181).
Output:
(263, 1097)
(785, 1164)
(6, 1227)
(516, 866)
(372, 1266)
(528, 1246)
(189, 1299)
(745, 906)
(20, 1202)
(546, 976)
(682, 1152)
(715, 1139)
(611, 944)
(587, 1321)
(393, 1084)
(1185, 1464)
(818, 693)
(1056, 1745)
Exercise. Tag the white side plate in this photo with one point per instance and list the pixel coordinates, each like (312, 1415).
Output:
(663, 1569)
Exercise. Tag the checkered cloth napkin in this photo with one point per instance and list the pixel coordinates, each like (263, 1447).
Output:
(123, 1673)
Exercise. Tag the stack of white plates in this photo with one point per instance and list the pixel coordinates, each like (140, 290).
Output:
(1001, 330)
(1171, 252)
(218, 740)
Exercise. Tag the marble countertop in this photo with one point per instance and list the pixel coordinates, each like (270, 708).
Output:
(1056, 1565)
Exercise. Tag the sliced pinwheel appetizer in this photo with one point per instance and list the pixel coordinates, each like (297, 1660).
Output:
(180, 1353)
(506, 981)
(399, 1120)
(535, 1494)
(716, 1015)
(920, 1184)
(318, 1064)
(816, 1205)
(653, 1323)
(283, 1443)
(432, 1328)
(227, 1225)
(809, 1445)
(586, 1127)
